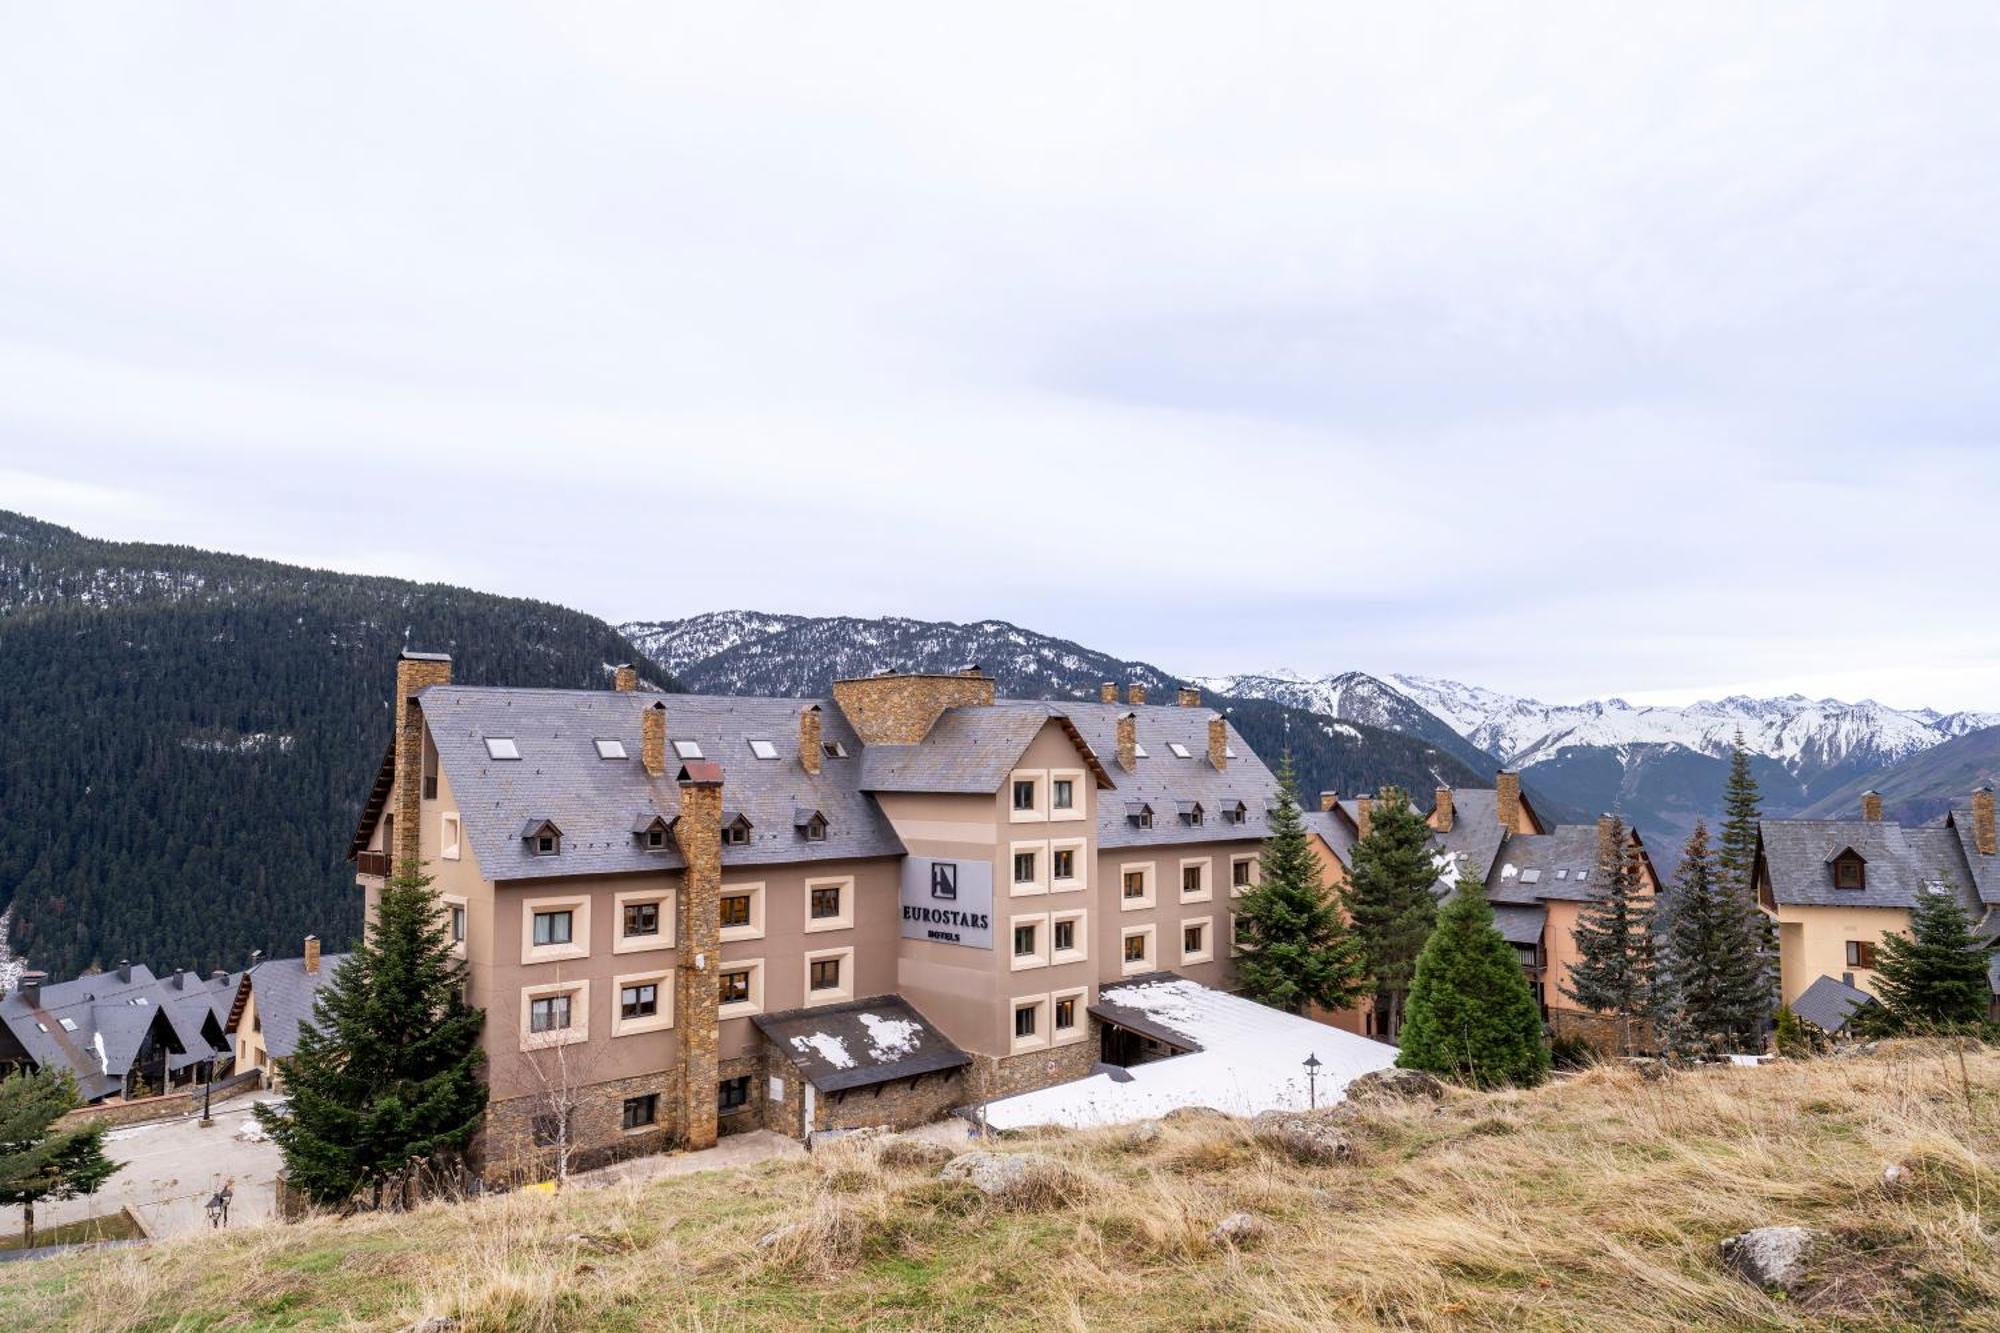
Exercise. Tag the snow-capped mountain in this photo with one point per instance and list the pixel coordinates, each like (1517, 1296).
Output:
(1355, 696)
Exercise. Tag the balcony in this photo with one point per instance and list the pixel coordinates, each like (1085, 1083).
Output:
(372, 863)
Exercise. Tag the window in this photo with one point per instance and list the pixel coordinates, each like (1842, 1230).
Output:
(1024, 867)
(1237, 813)
(1025, 938)
(740, 987)
(1191, 937)
(1135, 887)
(1848, 873)
(502, 747)
(735, 910)
(645, 920)
(1179, 751)
(829, 976)
(814, 829)
(1066, 1013)
(1062, 863)
(1135, 948)
(687, 749)
(1194, 880)
(1063, 939)
(741, 909)
(734, 986)
(1024, 1020)
(763, 749)
(1861, 953)
(608, 748)
(1192, 815)
(1135, 884)
(457, 923)
(1138, 750)
(1145, 817)
(554, 927)
(641, 1112)
(1239, 872)
(1024, 793)
(733, 1094)
(1062, 794)
(550, 1013)
(825, 974)
(834, 750)
(448, 837)
(736, 833)
(642, 919)
(548, 842)
(641, 1001)
(1196, 942)
(826, 903)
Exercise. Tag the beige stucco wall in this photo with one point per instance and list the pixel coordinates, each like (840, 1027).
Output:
(1812, 943)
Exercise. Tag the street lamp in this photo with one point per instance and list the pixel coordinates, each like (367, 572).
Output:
(1312, 1081)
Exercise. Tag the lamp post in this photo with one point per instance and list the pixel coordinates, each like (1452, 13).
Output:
(1312, 1081)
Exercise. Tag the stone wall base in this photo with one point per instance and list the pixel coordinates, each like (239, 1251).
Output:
(506, 1150)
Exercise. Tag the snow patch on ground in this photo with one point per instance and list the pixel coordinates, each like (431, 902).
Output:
(1251, 1059)
(831, 1048)
(891, 1038)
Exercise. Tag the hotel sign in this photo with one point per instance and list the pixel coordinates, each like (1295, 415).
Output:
(949, 901)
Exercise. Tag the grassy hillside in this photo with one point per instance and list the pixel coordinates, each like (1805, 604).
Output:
(1593, 1204)
(190, 736)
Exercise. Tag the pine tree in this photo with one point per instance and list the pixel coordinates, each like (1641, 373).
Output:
(1391, 900)
(37, 1160)
(1723, 988)
(1932, 978)
(1297, 951)
(1472, 1014)
(1616, 972)
(1741, 812)
(386, 1074)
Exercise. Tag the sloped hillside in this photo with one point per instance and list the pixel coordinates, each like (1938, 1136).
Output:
(189, 737)
(1924, 786)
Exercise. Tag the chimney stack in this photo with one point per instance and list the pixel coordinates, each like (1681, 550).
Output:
(1218, 743)
(1608, 850)
(180, 978)
(1364, 819)
(653, 740)
(217, 977)
(31, 988)
(1983, 836)
(1128, 741)
(624, 678)
(1508, 790)
(1107, 692)
(1328, 800)
(414, 672)
(1135, 694)
(809, 739)
(971, 671)
(312, 955)
(1188, 696)
(698, 833)
(125, 971)
(1871, 806)
(1441, 815)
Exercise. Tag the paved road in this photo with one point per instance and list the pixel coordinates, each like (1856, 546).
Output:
(171, 1168)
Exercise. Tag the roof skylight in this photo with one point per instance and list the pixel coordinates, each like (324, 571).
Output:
(688, 749)
(763, 749)
(1138, 750)
(502, 747)
(609, 748)
(1180, 751)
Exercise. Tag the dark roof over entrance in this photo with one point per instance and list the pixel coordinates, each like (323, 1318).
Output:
(1108, 1010)
(860, 1043)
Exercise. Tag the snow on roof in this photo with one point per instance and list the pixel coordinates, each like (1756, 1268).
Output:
(831, 1048)
(891, 1038)
(1249, 1059)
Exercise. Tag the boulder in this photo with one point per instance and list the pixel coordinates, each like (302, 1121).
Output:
(900, 1152)
(996, 1173)
(1306, 1139)
(1774, 1258)
(1237, 1229)
(1193, 1115)
(1144, 1134)
(437, 1323)
(1387, 1085)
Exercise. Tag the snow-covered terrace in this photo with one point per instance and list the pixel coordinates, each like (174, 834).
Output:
(1243, 1058)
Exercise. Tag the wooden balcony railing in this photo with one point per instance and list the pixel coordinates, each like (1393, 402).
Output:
(372, 863)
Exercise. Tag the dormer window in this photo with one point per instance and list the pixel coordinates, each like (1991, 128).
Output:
(543, 837)
(1850, 872)
(811, 825)
(608, 748)
(1139, 813)
(651, 832)
(1235, 813)
(735, 829)
(502, 747)
(834, 749)
(1191, 813)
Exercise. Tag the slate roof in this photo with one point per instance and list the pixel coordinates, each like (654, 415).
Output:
(285, 992)
(967, 750)
(1520, 923)
(1985, 869)
(1163, 781)
(860, 1043)
(1476, 833)
(596, 802)
(1828, 1003)
(1901, 860)
(1142, 1021)
(112, 1020)
(1334, 831)
(1532, 867)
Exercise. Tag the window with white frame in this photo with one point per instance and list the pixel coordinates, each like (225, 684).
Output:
(1067, 788)
(1069, 936)
(645, 920)
(1030, 1023)
(829, 904)
(742, 910)
(1066, 1015)
(609, 748)
(1135, 887)
(450, 836)
(502, 747)
(1030, 941)
(1028, 868)
(1194, 881)
(687, 749)
(1135, 949)
(644, 1002)
(555, 1014)
(739, 987)
(555, 929)
(1027, 795)
(1069, 865)
(829, 976)
(1242, 875)
(1196, 944)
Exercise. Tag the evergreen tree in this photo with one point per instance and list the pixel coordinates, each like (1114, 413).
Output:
(1472, 1014)
(1741, 811)
(1391, 900)
(1935, 976)
(1723, 988)
(1297, 951)
(37, 1160)
(386, 1073)
(1616, 971)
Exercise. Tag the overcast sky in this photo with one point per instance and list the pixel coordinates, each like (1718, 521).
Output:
(1606, 350)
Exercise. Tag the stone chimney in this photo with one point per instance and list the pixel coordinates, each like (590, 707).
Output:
(653, 740)
(1607, 844)
(1218, 743)
(899, 709)
(1871, 806)
(1107, 692)
(217, 977)
(31, 988)
(1188, 696)
(1128, 741)
(1441, 815)
(698, 833)
(1328, 800)
(414, 672)
(312, 955)
(1507, 786)
(624, 678)
(1135, 694)
(810, 751)
(1983, 835)
(1364, 818)
(125, 971)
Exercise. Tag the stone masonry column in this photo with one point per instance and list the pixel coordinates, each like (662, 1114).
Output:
(414, 672)
(698, 833)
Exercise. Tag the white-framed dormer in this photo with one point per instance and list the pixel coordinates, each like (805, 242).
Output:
(554, 930)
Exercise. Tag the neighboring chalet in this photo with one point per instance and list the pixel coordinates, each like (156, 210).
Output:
(271, 1000)
(1835, 887)
(123, 1033)
(696, 914)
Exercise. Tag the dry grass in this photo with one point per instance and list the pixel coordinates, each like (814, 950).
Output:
(1593, 1204)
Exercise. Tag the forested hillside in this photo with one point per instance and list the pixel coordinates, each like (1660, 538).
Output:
(188, 737)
